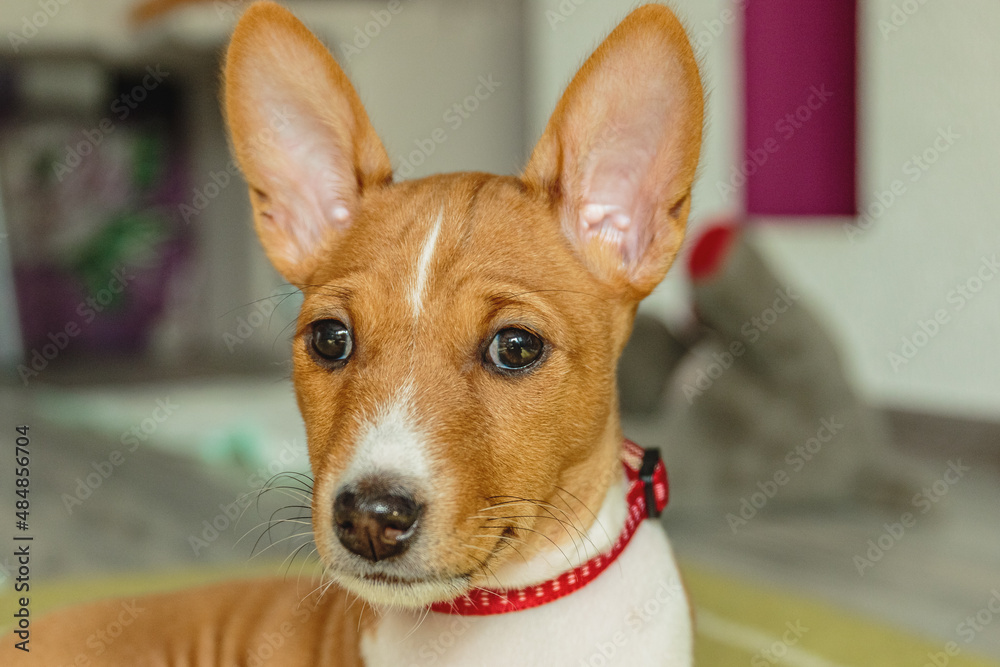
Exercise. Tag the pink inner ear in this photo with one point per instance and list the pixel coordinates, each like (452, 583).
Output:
(307, 179)
(622, 146)
(618, 199)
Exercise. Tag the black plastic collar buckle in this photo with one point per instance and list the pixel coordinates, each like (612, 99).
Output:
(650, 460)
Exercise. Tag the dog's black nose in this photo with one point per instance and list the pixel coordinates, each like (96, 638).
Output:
(375, 524)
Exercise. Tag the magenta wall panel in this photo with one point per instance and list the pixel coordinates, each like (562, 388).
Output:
(801, 107)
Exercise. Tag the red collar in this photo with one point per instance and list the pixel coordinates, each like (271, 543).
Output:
(648, 486)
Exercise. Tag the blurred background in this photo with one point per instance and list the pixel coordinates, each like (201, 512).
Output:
(819, 369)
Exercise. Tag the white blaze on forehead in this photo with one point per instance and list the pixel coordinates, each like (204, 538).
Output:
(423, 265)
(390, 444)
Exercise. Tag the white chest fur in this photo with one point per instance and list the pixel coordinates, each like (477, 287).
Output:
(635, 613)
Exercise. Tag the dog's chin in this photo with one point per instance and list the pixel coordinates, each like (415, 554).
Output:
(394, 592)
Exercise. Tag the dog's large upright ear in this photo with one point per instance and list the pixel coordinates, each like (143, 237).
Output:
(619, 155)
(301, 137)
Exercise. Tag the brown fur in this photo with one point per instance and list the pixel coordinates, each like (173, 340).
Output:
(509, 253)
(224, 624)
(483, 427)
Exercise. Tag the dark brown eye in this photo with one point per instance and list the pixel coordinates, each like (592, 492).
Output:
(514, 349)
(331, 340)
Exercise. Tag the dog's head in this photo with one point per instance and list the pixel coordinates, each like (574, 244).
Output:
(457, 344)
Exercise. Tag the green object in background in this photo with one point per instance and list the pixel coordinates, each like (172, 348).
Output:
(44, 166)
(235, 444)
(149, 159)
(128, 239)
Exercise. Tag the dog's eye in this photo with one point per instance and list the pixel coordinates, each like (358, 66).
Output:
(514, 349)
(331, 340)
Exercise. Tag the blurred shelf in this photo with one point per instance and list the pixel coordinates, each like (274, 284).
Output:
(103, 29)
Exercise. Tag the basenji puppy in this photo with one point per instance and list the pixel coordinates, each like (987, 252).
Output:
(454, 363)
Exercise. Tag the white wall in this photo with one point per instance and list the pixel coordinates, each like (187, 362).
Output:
(562, 33)
(939, 70)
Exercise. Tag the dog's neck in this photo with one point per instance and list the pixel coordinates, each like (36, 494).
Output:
(582, 533)
(641, 601)
(575, 548)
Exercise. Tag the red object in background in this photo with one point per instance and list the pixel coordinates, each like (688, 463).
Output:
(710, 250)
(800, 62)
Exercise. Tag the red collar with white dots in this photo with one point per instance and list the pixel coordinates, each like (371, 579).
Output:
(648, 488)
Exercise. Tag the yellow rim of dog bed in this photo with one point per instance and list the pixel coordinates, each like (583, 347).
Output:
(739, 623)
